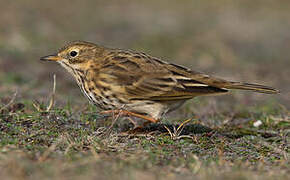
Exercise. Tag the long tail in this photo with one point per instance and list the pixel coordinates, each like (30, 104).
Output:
(252, 87)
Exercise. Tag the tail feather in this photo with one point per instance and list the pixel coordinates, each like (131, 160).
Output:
(252, 87)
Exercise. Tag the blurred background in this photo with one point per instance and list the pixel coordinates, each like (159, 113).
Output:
(242, 40)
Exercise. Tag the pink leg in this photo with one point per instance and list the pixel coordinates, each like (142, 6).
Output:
(128, 113)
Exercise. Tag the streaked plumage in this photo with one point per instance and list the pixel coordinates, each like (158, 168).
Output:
(114, 79)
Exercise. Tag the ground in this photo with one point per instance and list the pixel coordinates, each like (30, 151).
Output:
(242, 135)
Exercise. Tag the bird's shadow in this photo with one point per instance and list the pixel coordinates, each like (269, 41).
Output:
(187, 129)
(194, 129)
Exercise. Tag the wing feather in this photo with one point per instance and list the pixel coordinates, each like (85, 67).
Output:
(145, 78)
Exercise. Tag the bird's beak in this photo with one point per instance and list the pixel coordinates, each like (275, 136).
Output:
(53, 57)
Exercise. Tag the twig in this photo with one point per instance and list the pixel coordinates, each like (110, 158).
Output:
(176, 134)
(10, 102)
(51, 102)
(36, 105)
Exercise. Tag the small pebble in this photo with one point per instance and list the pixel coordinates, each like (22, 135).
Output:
(257, 123)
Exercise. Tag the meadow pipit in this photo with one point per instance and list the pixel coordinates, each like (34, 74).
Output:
(136, 84)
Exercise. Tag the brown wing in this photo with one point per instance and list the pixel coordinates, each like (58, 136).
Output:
(139, 76)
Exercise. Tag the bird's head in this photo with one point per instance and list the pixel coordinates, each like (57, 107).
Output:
(76, 54)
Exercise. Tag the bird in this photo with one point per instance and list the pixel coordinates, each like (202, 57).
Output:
(135, 84)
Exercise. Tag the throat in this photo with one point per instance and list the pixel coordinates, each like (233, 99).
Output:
(80, 77)
(72, 70)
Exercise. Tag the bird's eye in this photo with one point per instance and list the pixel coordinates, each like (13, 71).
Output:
(73, 53)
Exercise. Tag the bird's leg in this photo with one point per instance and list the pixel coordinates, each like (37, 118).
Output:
(115, 118)
(136, 125)
(128, 113)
